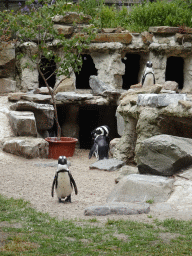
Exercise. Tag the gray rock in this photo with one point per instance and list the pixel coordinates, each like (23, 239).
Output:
(112, 146)
(42, 90)
(23, 123)
(187, 174)
(71, 17)
(117, 208)
(126, 170)
(160, 100)
(16, 96)
(7, 85)
(136, 188)
(72, 96)
(120, 124)
(171, 85)
(44, 113)
(98, 87)
(27, 147)
(7, 60)
(164, 155)
(63, 29)
(38, 98)
(109, 165)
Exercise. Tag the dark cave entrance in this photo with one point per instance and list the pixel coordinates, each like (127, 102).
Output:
(132, 67)
(92, 116)
(88, 69)
(174, 70)
(88, 118)
(48, 68)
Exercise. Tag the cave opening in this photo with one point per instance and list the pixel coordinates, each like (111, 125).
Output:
(92, 116)
(88, 69)
(132, 68)
(174, 70)
(87, 118)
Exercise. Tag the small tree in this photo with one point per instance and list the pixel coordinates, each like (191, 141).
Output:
(33, 25)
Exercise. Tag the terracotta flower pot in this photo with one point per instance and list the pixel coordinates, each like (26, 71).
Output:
(63, 147)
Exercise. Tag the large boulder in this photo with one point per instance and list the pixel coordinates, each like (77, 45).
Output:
(137, 188)
(164, 155)
(99, 87)
(44, 113)
(23, 123)
(27, 147)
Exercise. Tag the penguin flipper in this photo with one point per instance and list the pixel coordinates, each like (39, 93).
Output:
(52, 190)
(143, 78)
(153, 78)
(73, 183)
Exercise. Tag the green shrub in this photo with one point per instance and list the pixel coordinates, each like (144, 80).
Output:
(161, 13)
(107, 16)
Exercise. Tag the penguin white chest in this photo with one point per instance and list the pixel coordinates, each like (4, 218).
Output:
(148, 77)
(64, 188)
(149, 80)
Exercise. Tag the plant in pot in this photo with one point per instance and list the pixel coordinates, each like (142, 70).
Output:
(33, 27)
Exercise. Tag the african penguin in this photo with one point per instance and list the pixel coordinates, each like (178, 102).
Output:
(63, 181)
(101, 142)
(148, 77)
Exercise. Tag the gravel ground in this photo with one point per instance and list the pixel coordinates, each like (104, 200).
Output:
(31, 179)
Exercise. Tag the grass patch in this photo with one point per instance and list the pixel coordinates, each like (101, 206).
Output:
(150, 201)
(24, 231)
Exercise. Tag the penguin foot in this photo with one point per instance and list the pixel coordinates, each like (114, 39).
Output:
(68, 199)
(60, 200)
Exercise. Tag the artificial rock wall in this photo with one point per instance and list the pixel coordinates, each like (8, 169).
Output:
(108, 51)
(113, 52)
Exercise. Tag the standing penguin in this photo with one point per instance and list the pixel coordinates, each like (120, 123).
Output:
(63, 181)
(148, 77)
(100, 148)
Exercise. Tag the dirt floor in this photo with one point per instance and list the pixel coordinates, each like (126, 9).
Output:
(31, 179)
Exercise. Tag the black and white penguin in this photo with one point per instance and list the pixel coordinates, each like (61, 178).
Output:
(148, 77)
(100, 146)
(63, 181)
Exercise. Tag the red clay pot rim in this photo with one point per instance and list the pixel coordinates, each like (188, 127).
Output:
(54, 139)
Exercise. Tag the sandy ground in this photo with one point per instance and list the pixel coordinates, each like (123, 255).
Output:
(31, 179)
